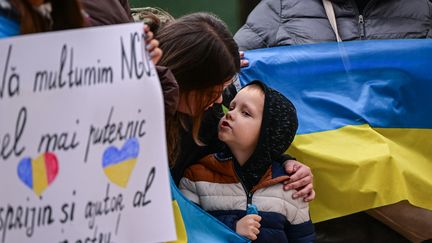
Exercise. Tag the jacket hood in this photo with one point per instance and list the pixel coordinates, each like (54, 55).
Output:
(278, 128)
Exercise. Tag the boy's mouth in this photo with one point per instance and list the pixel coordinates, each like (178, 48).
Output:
(225, 124)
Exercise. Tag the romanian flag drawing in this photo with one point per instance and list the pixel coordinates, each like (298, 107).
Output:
(365, 119)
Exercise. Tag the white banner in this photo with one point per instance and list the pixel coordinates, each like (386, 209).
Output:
(82, 139)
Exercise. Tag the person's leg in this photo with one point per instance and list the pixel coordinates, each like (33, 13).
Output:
(358, 227)
(412, 222)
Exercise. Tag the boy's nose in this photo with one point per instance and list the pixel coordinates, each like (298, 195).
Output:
(229, 115)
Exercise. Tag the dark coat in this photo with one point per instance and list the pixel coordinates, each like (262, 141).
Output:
(107, 12)
(170, 90)
(214, 185)
(294, 22)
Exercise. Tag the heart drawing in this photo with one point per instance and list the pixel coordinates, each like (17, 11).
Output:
(119, 164)
(38, 173)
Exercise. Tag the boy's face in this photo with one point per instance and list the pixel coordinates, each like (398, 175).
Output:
(241, 125)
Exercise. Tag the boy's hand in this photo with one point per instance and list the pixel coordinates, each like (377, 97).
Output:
(301, 179)
(248, 226)
(152, 46)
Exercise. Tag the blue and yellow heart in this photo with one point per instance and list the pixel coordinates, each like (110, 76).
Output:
(119, 164)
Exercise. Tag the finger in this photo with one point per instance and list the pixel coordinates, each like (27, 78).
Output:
(304, 192)
(255, 230)
(146, 28)
(156, 55)
(256, 225)
(310, 197)
(152, 45)
(252, 236)
(289, 166)
(300, 173)
(299, 184)
(156, 52)
(296, 167)
(149, 36)
(244, 63)
(256, 217)
(241, 54)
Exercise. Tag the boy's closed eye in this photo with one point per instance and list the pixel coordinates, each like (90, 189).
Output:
(246, 113)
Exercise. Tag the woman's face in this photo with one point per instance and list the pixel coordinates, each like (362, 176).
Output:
(37, 3)
(187, 103)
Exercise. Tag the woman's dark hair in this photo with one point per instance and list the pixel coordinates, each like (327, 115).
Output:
(203, 56)
(65, 14)
(156, 18)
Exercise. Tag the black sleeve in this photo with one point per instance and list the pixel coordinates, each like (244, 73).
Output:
(284, 157)
(300, 233)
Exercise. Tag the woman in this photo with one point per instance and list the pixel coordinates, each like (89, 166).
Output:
(204, 58)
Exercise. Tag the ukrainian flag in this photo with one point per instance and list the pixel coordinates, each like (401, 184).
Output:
(194, 225)
(8, 27)
(365, 119)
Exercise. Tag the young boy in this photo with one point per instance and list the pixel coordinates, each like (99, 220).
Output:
(241, 186)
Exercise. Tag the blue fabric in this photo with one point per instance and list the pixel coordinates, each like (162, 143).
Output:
(350, 83)
(229, 220)
(8, 27)
(201, 226)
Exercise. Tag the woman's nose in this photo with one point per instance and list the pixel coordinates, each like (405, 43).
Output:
(219, 100)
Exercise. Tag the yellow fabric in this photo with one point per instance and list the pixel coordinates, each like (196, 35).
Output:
(358, 167)
(40, 179)
(180, 227)
(119, 173)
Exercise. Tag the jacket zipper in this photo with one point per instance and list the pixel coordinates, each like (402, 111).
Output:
(249, 194)
(362, 27)
(361, 20)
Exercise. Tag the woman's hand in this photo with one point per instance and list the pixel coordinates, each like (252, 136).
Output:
(152, 46)
(248, 226)
(301, 179)
(243, 61)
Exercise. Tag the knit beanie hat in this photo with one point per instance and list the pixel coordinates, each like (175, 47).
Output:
(278, 128)
(155, 17)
